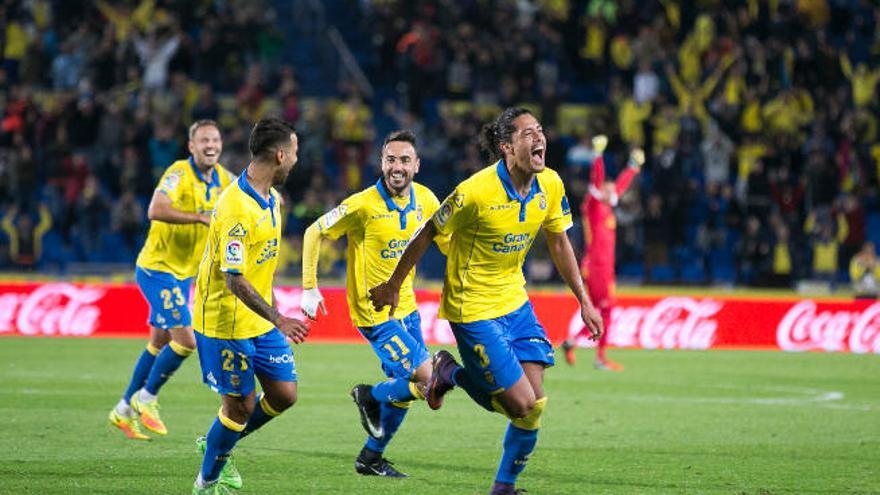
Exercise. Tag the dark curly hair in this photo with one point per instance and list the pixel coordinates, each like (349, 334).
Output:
(499, 131)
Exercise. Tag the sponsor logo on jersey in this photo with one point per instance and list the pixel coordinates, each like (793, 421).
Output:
(237, 231)
(505, 206)
(261, 220)
(395, 249)
(270, 250)
(282, 359)
(513, 243)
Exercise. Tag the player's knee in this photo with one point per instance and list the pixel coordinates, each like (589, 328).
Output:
(157, 344)
(532, 420)
(521, 408)
(278, 403)
(237, 411)
(183, 337)
(288, 401)
(183, 349)
(514, 407)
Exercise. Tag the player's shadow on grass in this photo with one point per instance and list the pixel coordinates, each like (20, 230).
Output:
(410, 462)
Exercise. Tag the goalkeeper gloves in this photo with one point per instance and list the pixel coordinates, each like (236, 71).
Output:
(311, 301)
(600, 142)
(636, 158)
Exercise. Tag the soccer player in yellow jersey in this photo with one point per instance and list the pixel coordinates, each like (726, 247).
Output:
(493, 218)
(179, 212)
(240, 334)
(379, 222)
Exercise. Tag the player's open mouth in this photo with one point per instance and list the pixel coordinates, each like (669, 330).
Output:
(538, 153)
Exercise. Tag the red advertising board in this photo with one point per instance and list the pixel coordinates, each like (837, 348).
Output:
(651, 322)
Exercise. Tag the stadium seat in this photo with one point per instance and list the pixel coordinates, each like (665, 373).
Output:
(55, 251)
(873, 227)
(723, 273)
(721, 256)
(433, 264)
(663, 274)
(693, 272)
(634, 272)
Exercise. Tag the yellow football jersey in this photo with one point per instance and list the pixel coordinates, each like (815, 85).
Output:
(244, 238)
(378, 226)
(492, 229)
(176, 248)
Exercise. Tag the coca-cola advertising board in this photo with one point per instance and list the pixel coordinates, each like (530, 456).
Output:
(650, 322)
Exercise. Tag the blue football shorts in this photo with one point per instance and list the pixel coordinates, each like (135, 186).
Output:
(399, 345)
(229, 366)
(492, 350)
(167, 296)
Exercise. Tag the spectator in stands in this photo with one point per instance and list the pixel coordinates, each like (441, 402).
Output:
(657, 232)
(853, 212)
(646, 84)
(826, 248)
(25, 237)
(781, 257)
(752, 251)
(155, 52)
(352, 132)
(580, 156)
(91, 215)
(864, 272)
(717, 149)
(127, 218)
(206, 107)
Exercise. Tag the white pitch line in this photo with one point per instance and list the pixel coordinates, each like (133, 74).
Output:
(829, 399)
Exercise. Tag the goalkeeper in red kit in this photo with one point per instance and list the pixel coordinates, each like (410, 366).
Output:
(600, 227)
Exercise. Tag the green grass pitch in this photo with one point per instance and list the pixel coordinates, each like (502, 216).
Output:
(674, 422)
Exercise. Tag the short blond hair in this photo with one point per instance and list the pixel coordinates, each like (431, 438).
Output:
(199, 124)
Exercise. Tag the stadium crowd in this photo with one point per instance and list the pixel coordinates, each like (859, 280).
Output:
(759, 119)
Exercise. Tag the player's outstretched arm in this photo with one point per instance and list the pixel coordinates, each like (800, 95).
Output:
(312, 300)
(563, 257)
(388, 293)
(633, 167)
(294, 329)
(163, 210)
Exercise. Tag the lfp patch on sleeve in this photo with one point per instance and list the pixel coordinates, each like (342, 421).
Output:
(234, 252)
(443, 214)
(333, 216)
(566, 209)
(170, 182)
